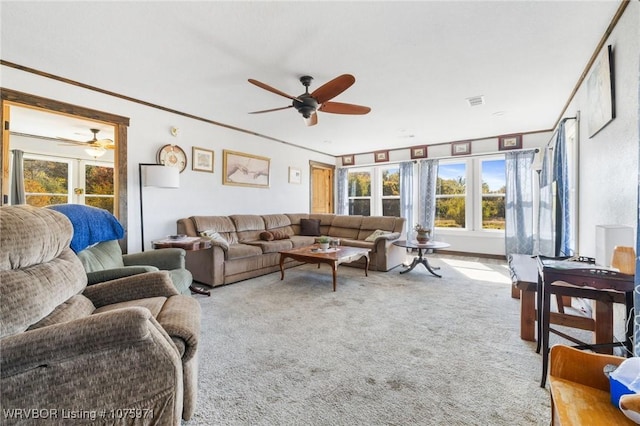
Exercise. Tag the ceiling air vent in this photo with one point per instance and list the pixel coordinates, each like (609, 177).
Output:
(476, 100)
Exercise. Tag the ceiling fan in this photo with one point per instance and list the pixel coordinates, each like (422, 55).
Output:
(308, 104)
(94, 147)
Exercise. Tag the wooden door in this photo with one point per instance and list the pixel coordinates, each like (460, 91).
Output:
(321, 185)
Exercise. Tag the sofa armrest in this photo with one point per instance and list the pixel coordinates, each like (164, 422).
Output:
(164, 259)
(78, 338)
(96, 277)
(580, 366)
(141, 286)
(117, 360)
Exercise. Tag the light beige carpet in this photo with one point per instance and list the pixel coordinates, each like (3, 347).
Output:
(390, 349)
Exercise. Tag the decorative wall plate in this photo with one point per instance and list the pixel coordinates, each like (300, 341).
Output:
(173, 156)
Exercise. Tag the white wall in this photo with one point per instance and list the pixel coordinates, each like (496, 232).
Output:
(608, 174)
(200, 193)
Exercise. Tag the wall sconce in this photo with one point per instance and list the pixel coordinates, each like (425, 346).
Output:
(159, 176)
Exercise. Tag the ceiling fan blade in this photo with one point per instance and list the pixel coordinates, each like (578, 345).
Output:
(271, 89)
(333, 88)
(312, 120)
(341, 108)
(270, 110)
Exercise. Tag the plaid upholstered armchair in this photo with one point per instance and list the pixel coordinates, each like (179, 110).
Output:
(129, 344)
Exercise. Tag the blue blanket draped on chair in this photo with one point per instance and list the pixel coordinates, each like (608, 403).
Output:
(91, 225)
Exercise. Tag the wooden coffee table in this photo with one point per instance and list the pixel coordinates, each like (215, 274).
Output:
(332, 257)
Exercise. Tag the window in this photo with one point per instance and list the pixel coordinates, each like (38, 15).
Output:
(470, 194)
(360, 193)
(46, 181)
(451, 195)
(391, 191)
(493, 182)
(98, 183)
(50, 180)
(374, 191)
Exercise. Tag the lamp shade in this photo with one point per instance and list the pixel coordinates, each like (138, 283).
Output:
(162, 176)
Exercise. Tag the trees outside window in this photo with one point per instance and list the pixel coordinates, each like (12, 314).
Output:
(451, 195)
(49, 180)
(374, 191)
(470, 194)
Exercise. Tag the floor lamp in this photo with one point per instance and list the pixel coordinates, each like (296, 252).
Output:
(159, 176)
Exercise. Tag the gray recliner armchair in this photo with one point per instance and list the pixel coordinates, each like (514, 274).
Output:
(105, 261)
(124, 346)
(95, 240)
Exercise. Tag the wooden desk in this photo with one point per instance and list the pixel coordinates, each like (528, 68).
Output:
(577, 279)
(188, 244)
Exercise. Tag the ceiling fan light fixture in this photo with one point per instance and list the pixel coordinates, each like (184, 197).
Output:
(95, 151)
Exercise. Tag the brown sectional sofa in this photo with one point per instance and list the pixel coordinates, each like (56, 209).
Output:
(244, 255)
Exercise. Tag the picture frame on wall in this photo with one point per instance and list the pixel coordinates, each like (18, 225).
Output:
(600, 109)
(295, 175)
(508, 142)
(348, 160)
(242, 169)
(418, 152)
(461, 148)
(381, 156)
(202, 159)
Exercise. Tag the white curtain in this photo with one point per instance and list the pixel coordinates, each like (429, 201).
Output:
(545, 241)
(519, 202)
(427, 206)
(342, 204)
(406, 194)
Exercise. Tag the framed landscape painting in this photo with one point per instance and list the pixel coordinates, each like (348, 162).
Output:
(245, 169)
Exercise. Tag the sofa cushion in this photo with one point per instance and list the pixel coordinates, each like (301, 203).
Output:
(248, 226)
(237, 251)
(104, 255)
(346, 227)
(221, 224)
(38, 271)
(272, 246)
(153, 304)
(75, 307)
(384, 223)
(310, 227)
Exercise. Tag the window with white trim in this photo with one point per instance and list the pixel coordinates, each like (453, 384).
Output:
(470, 194)
(374, 191)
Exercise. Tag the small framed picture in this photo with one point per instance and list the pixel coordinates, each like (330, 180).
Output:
(347, 160)
(295, 175)
(509, 142)
(461, 148)
(381, 156)
(202, 159)
(419, 152)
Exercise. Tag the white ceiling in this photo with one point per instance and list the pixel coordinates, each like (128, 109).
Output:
(415, 62)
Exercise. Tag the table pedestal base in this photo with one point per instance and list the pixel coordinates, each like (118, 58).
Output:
(421, 260)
